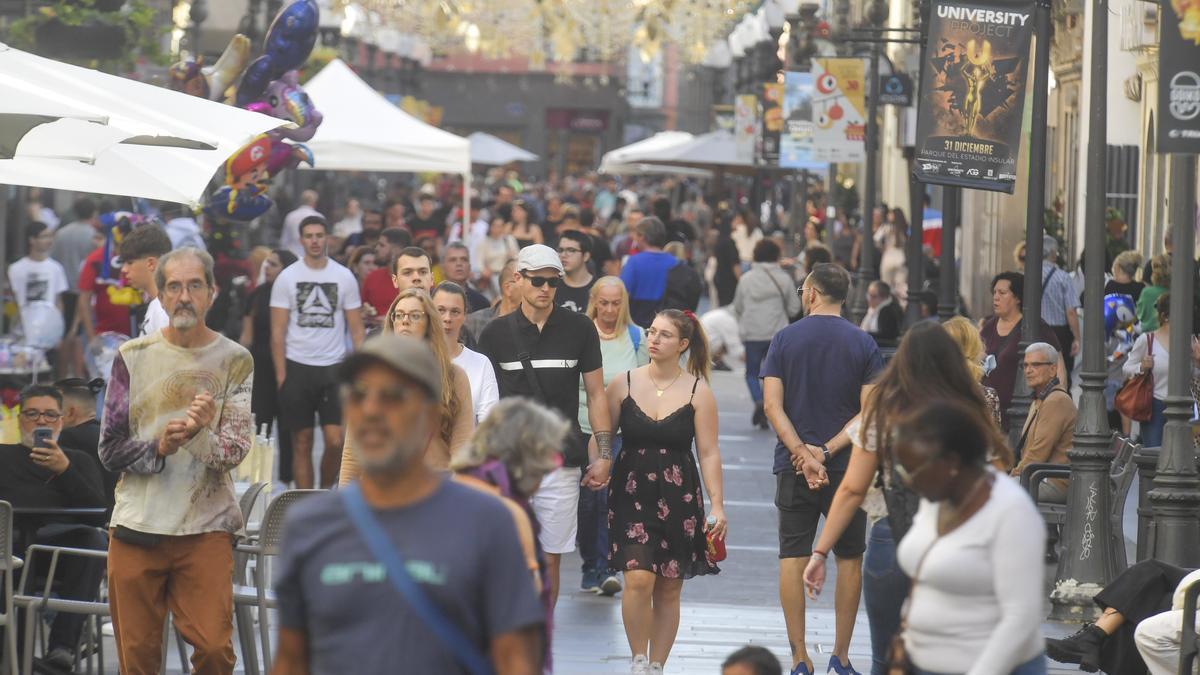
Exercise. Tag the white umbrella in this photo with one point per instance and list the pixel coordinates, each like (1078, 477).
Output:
(614, 161)
(111, 135)
(487, 149)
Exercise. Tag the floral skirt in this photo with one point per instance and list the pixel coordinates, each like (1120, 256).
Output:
(656, 514)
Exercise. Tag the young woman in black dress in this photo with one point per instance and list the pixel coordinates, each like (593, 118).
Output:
(656, 516)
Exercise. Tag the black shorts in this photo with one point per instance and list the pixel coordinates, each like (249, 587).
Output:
(70, 300)
(309, 391)
(800, 509)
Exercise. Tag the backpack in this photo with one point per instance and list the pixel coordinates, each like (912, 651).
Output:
(684, 287)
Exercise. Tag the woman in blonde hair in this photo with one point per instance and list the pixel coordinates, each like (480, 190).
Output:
(656, 513)
(966, 335)
(412, 313)
(622, 348)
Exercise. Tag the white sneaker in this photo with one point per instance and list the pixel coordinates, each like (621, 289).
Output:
(641, 665)
(106, 629)
(656, 669)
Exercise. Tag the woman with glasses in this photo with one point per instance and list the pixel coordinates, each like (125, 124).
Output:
(412, 313)
(977, 598)
(623, 348)
(657, 527)
(450, 300)
(256, 336)
(918, 372)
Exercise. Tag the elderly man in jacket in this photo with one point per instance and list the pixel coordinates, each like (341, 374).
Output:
(764, 303)
(1050, 427)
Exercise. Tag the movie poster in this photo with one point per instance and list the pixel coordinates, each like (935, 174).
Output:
(795, 146)
(839, 110)
(745, 116)
(771, 105)
(1179, 77)
(973, 93)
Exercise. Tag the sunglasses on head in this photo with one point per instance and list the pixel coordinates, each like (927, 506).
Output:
(538, 282)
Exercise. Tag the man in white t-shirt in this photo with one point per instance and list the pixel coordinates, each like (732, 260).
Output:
(140, 251)
(37, 277)
(289, 237)
(313, 302)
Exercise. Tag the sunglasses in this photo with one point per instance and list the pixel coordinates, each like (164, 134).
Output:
(906, 476)
(538, 282)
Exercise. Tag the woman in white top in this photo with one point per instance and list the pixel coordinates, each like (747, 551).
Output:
(451, 302)
(1149, 353)
(622, 348)
(974, 551)
(496, 248)
(746, 233)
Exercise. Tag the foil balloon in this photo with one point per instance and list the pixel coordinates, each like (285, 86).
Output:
(289, 41)
(286, 100)
(286, 155)
(101, 352)
(1119, 313)
(42, 324)
(228, 204)
(192, 77)
(243, 196)
(115, 225)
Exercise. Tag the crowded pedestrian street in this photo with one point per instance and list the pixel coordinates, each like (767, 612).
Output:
(523, 337)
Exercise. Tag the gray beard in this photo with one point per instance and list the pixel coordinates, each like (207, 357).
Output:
(183, 321)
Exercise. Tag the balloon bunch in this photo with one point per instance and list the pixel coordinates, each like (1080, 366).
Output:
(114, 225)
(1120, 323)
(269, 84)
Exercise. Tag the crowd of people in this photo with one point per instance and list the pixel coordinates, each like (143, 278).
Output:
(502, 382)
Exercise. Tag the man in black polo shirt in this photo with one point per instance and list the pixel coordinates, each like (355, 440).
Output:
(540, 351)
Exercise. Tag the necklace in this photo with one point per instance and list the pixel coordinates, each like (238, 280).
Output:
(606, 336)
(660, 390)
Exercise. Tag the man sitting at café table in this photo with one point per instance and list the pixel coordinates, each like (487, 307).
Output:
(41, 476)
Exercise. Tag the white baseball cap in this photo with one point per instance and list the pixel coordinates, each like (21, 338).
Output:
(538, 257)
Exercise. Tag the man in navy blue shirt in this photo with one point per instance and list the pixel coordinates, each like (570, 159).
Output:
(816, 372)
(645, 273)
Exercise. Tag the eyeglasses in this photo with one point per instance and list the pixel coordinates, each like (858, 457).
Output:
(1035, 364)
(415, 316)
(538, 282)
(906, 476)
(48, 415)
(357, 393)
(194, 287)
(570, 250)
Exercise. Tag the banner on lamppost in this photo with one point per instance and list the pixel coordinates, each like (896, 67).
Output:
(973, 94)
(771, 105)
(745, 117)
(1179, 77)
(795, 146)
(839, 110)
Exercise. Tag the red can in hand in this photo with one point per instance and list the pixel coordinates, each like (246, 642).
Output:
(716, 545)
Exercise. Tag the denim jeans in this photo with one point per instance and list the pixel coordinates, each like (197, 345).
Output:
(592, 538)
(756, 351)
(885, 586)
(1152, 431)
(1034, 666)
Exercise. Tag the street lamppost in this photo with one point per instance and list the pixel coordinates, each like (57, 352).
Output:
(1031, 303)
(1088, 563)
(1176, 493)
(876, 17)
(914, 250)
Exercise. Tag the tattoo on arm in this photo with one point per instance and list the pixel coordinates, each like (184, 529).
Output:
(604, 444)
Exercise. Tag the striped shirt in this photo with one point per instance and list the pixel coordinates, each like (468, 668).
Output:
(1058, 294)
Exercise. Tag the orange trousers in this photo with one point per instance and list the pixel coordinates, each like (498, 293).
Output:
(192, 576)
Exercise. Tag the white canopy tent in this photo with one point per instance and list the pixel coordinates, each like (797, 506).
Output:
(631, 159)
(72, 128)
(487, 149)
(363, 131)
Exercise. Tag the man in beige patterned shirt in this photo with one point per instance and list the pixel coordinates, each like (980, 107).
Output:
(176, 421)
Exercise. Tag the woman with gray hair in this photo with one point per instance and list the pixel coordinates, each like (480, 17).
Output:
(514, 447)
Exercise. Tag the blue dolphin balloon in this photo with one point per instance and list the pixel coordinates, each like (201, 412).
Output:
(289, 41)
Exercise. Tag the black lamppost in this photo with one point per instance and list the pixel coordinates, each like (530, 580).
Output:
(1031, 303)
(1176, 494)
(1088, 563)
(801, 48)
(914, 250)
(947, 270)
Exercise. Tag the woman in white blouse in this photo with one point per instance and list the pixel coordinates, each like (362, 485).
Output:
(451, 302)
(974, 551)
(1149, 353)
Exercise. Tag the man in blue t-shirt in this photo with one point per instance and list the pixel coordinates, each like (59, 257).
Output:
(645, 273)
(338, 609)
(814, 377)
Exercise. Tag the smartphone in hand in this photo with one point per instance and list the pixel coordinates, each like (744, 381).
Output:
(41, 435)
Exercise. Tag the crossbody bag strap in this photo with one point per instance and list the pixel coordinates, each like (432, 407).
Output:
(373, 534)
(782, 294)
(526, 362)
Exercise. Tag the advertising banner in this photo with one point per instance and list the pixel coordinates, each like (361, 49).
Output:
(895, 89)
(839, 110)
(745, 116)
(795, 147)
(771, 105)
(973, 94)
(1179, 77)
